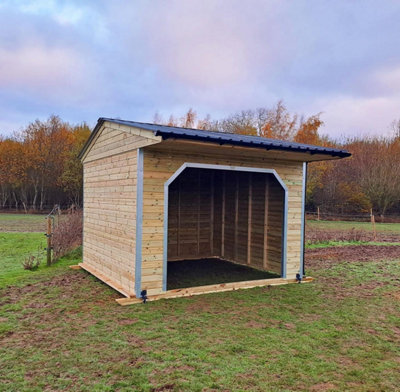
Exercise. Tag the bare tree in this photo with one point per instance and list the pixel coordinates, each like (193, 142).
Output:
(157, 119)
(395, 126)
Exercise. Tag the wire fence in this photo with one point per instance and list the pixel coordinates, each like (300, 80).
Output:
(320, 214)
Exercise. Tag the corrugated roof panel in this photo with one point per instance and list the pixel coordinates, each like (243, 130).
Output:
(230, 138)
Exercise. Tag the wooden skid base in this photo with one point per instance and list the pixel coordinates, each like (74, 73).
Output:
(75, 267)
(188, 292)
(103, 278)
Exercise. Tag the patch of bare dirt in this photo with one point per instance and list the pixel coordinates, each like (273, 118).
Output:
(324, 257)
(255, 324)
(337, 288)
(334, 288)
(199, 305)
(314, 235)
(127, 321)
(394, 294)
(323, 386)
(68, 282)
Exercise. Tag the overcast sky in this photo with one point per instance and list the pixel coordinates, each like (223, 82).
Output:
(128, 59)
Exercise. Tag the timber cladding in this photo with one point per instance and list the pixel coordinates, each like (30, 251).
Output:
(233, 215)
(160, 165)
(110, 185)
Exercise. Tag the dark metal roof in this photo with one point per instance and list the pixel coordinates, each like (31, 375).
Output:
(222, 138)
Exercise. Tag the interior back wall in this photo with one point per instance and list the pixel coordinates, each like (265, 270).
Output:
(237, 216)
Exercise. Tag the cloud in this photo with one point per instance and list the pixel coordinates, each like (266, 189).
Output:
(41, 69)
(346, 115)
(387, 80)
(87, 59)
(209, 44)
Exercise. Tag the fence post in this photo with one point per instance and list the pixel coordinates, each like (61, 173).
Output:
(373, 226)
(318, 213)
(48, 235)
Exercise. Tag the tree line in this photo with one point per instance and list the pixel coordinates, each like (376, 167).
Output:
(369, 179)
(39, 166)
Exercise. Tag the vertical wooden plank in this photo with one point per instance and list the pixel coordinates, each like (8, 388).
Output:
(212, 215)
(266, 199)
(236, 213)
(223, 214)
(249, 217)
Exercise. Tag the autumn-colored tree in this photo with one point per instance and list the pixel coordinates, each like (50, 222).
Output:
(189, 119)
(279, 123)
(35, 163)
(205, 123)
(72, 176)
(308, 130)
(376, 164)
(39, 166)
(13, 173)
(47, 145)
(240, 123)
(172, 121)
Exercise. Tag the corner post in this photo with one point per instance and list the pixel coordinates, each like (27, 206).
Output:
(302, 271)
(139, 223)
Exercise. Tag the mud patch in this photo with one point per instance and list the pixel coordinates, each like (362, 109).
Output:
(256, 325)
(164, 388)
(325, 257)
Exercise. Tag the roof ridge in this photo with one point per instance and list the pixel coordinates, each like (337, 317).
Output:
(208, 130)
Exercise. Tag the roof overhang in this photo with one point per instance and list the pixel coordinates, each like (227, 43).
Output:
(173, 137)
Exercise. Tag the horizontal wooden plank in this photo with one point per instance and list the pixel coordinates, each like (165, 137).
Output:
(211, 289)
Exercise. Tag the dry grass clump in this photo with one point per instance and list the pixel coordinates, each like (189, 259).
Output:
(31, 262)
(67, 235)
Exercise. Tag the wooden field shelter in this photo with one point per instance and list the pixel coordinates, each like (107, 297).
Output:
(156, 194)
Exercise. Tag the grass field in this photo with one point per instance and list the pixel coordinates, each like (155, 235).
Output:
(60, 329)
(22, 223)
(14, 247)
(344, 225)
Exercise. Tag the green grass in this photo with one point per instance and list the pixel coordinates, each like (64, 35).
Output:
(22, 217)
(343, 225)
(60, 329)
(15, 247)
(329, 244)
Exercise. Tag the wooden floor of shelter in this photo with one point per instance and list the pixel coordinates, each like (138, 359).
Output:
(203, 272)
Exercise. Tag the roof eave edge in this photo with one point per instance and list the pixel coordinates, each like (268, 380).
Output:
(205, 139)
(96, 129)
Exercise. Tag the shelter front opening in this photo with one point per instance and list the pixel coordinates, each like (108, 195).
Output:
(224, 226)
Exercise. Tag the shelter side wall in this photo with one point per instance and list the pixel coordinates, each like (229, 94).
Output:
(110, 218)
(159, 166)
(110, 191)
